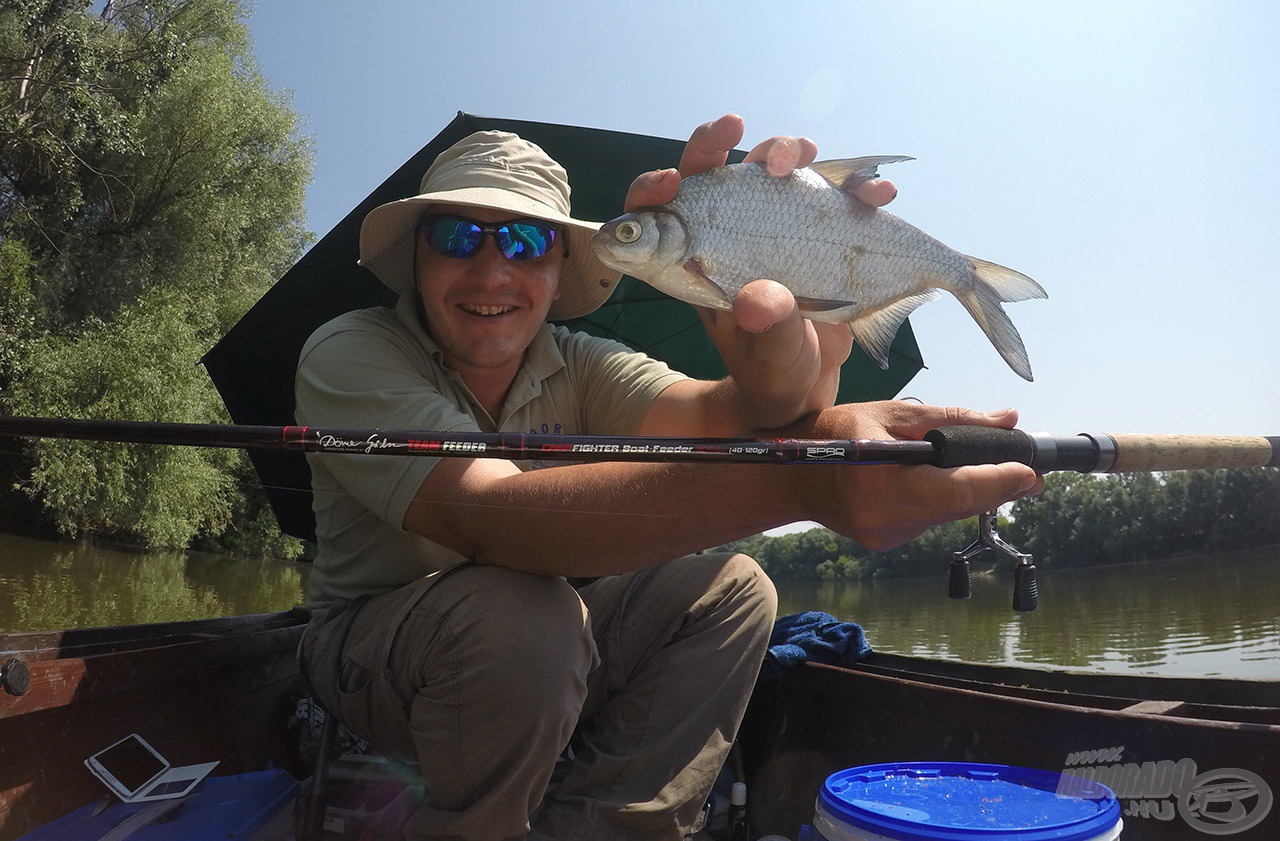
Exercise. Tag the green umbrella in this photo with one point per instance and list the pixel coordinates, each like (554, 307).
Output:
(253, 365)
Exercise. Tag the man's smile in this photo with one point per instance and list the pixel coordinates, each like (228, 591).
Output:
(481, 309)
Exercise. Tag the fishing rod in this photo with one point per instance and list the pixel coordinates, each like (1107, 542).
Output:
(949, 446)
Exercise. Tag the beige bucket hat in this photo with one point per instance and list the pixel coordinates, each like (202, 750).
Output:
(492, 169)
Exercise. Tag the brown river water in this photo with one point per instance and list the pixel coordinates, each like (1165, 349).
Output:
(1210, 615)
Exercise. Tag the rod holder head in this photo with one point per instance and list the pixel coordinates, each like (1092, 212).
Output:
(1026, 595)
(960, 585)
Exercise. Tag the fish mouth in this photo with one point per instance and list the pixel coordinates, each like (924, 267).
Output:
(487, 310)
(602, 252)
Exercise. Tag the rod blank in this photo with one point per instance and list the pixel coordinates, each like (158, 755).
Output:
(952, 446)
(507, 445)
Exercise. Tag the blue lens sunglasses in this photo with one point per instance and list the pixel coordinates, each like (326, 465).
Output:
(521, 239)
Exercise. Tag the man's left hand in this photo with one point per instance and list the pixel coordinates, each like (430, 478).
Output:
(784, 364)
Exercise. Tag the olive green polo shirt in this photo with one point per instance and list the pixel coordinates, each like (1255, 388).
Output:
(379, 368)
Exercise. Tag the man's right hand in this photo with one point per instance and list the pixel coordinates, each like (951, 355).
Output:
(886, 506)
(784, 365)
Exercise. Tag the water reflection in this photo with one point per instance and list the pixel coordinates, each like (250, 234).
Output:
(76, 585)
(1205, 616)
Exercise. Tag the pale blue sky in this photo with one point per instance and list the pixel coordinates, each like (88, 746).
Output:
(1121, 153)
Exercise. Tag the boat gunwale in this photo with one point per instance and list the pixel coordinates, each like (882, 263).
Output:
(1257, 692)
(835, 679)
(35, 646)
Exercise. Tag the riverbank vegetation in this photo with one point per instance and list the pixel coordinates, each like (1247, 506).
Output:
(1079, 520)
(151, 189)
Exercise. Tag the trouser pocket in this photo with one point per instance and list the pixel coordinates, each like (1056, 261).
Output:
(367, 702)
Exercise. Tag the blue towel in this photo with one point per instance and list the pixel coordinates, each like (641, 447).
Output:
(815, 636)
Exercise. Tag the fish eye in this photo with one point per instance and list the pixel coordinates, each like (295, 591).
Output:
(627, 232)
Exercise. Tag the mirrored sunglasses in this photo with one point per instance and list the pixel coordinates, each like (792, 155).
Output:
(456, 236)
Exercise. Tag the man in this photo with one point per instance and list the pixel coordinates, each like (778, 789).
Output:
(445, 629)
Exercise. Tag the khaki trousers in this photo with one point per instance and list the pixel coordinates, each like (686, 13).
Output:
(483, 675)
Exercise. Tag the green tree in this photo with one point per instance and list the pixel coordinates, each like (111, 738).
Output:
(165, 495)
(72, 82)
(1079, 520)
(17, 316)
(843, 568)
(1085, 520)
(156, 185)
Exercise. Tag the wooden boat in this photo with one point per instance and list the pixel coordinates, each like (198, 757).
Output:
(206, 690)
(891, 708)
(224, 688)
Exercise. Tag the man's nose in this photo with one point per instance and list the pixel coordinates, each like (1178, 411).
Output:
(489, 261)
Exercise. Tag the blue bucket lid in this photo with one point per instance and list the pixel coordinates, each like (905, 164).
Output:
(966, 801)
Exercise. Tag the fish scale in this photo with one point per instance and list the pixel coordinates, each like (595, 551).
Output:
(844, 261)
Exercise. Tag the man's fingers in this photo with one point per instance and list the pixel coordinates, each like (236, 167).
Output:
(782, 154)
(763, 304)
(985, 487)
(962, 492)
(912, 420)
(651, 189)
(710, 143)
(709, 147)
(836, 342)
(876, 193)
(765, 331)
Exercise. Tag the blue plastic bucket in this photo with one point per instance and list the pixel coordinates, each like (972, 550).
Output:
(961, 801)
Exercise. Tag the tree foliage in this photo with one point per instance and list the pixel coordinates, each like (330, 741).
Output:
(1077, 521)
(1085, 520)
(151, 189)
(166, 495)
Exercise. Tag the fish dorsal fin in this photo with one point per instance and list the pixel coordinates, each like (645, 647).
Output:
(875, 331)
(848, 173)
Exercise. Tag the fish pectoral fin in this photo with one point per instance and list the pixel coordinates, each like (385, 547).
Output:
(698, 272)
(821, 304)
(849, 173)
(875, 331)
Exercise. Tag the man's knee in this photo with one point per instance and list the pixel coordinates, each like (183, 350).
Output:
(753, 580)
(523, 631)
(739, 582)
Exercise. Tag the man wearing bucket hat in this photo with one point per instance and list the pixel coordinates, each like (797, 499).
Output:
(444, 629)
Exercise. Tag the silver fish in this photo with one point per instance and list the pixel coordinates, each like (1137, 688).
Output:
(843, 260)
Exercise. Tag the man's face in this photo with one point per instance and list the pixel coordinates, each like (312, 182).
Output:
(485, 310)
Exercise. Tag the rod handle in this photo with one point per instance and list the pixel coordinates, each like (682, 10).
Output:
(1141, 453)
(956, 446)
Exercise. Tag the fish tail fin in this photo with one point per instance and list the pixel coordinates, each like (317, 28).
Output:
(1008, 285)
(994, 284)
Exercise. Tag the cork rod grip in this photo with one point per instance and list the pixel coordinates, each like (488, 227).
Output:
(1142, 453)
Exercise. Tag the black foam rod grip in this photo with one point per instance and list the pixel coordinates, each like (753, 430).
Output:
(957, 446)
